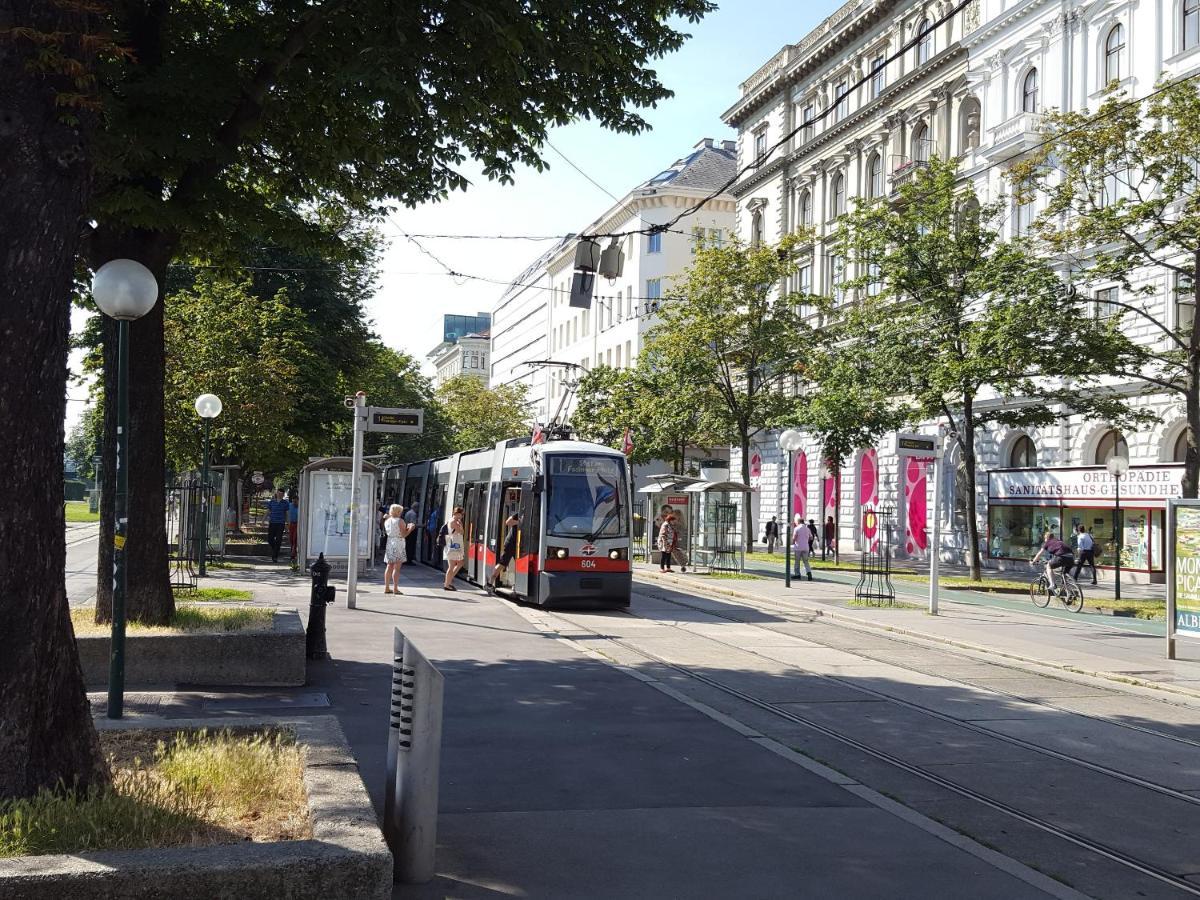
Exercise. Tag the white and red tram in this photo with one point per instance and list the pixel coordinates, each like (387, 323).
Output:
(573, 543)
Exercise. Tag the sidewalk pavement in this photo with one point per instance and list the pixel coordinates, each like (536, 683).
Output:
(1129, 651)
(563, 777)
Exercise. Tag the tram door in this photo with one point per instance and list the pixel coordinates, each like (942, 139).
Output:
(525, 567)
(510, 505)
(474, 507)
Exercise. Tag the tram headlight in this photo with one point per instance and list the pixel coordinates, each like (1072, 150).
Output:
(617, 553)
(556, 553)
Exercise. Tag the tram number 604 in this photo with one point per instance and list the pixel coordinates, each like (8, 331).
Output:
(588, 563)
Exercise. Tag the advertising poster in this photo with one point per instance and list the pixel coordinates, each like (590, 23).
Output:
(1186, 577)
(800, 485)
(328, 515)
(915, 505)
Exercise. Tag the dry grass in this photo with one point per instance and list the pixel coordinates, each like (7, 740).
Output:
(199, 788)
(193, 619)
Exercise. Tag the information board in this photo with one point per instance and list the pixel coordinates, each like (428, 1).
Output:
(394, 420)
(922, 445)
(328, 515)
(1183, 571)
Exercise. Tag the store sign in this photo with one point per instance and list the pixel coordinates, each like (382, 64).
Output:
(1140, 483)
(1183, 585)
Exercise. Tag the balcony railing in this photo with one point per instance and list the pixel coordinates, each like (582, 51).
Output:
(1020, 132)
(904, 170)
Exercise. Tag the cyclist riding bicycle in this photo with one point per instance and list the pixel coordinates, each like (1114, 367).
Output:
(1058, 556)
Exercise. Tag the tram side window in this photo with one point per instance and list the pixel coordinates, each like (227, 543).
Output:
(585, 497)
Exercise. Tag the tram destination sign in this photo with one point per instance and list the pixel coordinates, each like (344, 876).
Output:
(394, 420)
(1183, 568)
(920, 445)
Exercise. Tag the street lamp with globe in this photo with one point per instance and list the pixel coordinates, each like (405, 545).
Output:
(124, 290)
(790, 441)
(208, 407)
(1117, 467)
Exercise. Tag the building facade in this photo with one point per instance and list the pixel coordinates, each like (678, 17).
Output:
(534, 323)
(973, 87)
(465, 348)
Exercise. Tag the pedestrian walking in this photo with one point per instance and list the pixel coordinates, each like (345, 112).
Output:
(1086, 545)
(816, 538)
(668, 540)
(507, 552)
(293, 522)
(277, 515)
(802, 543)
(771, 534)
(456, 551)
(395, 555)
(412, 516)
(830, 533)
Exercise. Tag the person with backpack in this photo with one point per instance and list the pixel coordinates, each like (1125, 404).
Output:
(1086, 545)
(802, 543)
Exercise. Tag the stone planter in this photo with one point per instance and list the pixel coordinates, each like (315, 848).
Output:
(345, 859)
(272, 658)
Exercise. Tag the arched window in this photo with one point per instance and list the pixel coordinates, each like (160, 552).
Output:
(1114, 54)
(875, 176)
(924, 42)
(1029, 92)
(962, 491)
(756, 229)
(837, 196)
(1179, 451)
(1112, 444)
(1023, 454)
(1191, 24)
(805, 214)
(921, 143)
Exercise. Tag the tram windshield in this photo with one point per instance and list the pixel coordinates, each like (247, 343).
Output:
(585, 497)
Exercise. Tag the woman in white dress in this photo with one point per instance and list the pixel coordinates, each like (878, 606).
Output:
(396, 530)
(455, 548)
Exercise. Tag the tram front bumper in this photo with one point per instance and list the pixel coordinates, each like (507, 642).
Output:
(584, 588)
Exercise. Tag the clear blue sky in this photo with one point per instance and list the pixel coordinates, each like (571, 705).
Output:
(725, 48)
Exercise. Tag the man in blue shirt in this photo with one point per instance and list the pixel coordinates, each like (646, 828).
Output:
(277, 513)
(293, 522)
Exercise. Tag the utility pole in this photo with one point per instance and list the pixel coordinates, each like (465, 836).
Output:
(360, 423)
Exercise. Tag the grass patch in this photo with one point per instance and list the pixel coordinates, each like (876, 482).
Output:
(229, 565)
(963, 582)
(897, 604)
(730, 576)
(198, 788)
(1134, 609)
(187, 619)
(217, 595)
(77, 511)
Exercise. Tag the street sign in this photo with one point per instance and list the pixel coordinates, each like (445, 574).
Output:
(1183, 571)
(257, 478)
(924, 445)
(394, 420)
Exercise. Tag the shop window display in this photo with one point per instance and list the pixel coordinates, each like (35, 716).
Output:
(1016, 531)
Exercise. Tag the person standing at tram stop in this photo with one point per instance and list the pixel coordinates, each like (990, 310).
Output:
(277, 514)
(830, 533)
(802, 542)
(507, 552)
(456, 550)
(293, 521)
(412, 517)
(394, 554)
(771, 534)
(1086, 545)
(668, 542)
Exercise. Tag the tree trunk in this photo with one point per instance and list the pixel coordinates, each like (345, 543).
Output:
(46, 732)
(148, 594)
(968, 447)
(747, 520)
(1191, 465)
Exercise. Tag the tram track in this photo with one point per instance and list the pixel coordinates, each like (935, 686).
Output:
(1030, 819)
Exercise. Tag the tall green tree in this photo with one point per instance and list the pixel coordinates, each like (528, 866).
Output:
(727, 331)
(48, 120)
(965, 327)
(666, 415)
(84, 440)
(1123, 188)
(479, 416)
(249, 124)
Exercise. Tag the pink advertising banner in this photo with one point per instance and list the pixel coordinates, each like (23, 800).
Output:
(868, 497)
(800, 485)
(916, 505)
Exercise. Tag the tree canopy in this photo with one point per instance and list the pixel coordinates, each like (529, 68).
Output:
(479, 416)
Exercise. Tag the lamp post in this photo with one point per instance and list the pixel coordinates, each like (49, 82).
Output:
(1117, 466)
(124, 290)
(790, 441)
(208, 407)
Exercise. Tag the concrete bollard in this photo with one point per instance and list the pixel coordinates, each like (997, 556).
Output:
(410, 804)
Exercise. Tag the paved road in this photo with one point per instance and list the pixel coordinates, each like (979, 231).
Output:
(83, 541)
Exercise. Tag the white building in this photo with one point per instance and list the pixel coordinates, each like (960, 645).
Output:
(466, 356)
(975, 89)
(533, 321)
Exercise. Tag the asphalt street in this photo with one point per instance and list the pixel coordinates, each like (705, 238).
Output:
(83, 542)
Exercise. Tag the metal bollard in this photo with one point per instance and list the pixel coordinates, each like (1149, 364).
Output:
(410, 803)
(322, 596)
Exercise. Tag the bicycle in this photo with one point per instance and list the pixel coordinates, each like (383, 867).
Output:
(1063, 586)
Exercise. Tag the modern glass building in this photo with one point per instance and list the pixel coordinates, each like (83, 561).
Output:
(456, 326)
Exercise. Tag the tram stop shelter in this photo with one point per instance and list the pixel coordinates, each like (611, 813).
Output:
(662, 491)
(717, 541)
(324, 522)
